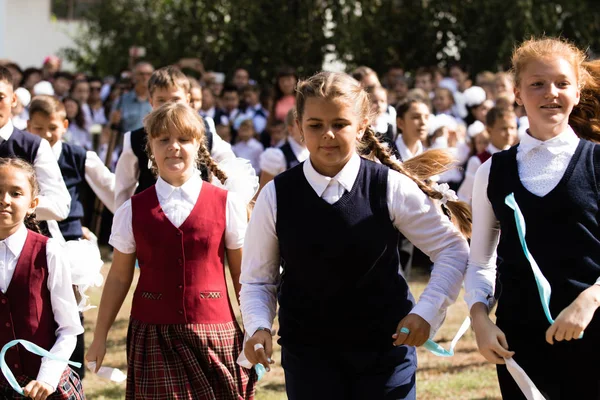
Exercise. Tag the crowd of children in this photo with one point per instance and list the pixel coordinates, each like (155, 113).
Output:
(314, 197)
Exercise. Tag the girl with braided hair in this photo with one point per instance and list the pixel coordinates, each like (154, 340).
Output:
(333, 224)
(183, 337)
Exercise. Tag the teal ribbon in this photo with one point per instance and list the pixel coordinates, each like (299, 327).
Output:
(260, 371)
(542, 283)
(32, 348)
(438, 350)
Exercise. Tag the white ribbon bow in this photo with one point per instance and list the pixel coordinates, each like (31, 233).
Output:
(447, 193)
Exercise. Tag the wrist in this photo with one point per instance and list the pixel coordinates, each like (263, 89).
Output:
(593, 294)
(263, 329)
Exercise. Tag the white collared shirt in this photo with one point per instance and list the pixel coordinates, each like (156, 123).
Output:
(465, 191)
(405, 152)
(127, 171)
(100, 179)
(55, 200)
(411, 212)
(273, 162)
(541, 165)
(249, 150)
(177, 204)
(64, 305)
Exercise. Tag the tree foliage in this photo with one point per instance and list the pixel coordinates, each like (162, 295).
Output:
(262, 35)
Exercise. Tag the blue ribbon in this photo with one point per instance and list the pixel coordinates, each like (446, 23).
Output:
(260, 371)
(432, 346)
(542, 283)
(32, 348)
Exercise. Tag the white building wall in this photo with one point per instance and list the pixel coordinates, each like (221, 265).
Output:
(28, 34)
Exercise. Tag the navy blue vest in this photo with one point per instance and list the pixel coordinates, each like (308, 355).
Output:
(72, 166)
(563, 235)
(340, 281)
(290, 158)
(21, 144)
(138, 145)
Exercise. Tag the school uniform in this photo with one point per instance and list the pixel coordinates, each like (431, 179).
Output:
(404, 152)
(465, 191)
(555, 184)
(385, 125)
(183, 338)
(340, 294)
(275, 160)
(37, 304)
(133, 174)
(54, 197)
(249, 150)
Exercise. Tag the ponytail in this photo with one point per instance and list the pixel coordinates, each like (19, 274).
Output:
(420, 169)
(31, 223)
(585, 117)
(204, 158)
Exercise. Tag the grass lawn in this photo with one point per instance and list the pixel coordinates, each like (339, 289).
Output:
(465, 376)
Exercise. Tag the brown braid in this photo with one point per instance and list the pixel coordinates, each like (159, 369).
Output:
(31, 223)
(419, 169)
(213, 169)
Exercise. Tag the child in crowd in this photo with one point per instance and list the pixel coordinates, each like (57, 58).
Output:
(54, 199)
(549, 184)
(183, 337)
(501, 124)
(275, 160)
(36, 293)
(336, 217)
(247, 146)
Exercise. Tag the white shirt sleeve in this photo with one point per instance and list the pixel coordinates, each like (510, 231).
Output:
(236, 221)
(260, 264)
(465, 191)
(127, 173)
(415, 215)
(121, 236)
(480, 278)
(55, 200)
(272, 161)
(100, 179)
(221, 150)
(66, 315)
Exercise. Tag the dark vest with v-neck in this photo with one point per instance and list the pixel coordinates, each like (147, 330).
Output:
(182, 275)
(340, 281)
(21, 144)
(290, 158)
(72, 166)
(26, 308)
(562, 234)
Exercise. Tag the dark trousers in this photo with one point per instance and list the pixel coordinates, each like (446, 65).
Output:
(313, 373)
(79, 353)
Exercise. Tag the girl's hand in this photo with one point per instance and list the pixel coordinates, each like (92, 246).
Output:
(259, 349)
(37, 390)
(418, 331)
(491, 341)
(573, 320)
(96, 353)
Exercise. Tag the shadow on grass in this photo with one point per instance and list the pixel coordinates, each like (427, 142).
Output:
(110, 391)
(278, 387)
(454, 368)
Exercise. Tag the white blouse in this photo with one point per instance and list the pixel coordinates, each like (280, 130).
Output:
(64, 305)
(411, 212)
(249, 150)
(177, 204)
(405, 152)
(465, 191)
(273, 162)
(541, 165)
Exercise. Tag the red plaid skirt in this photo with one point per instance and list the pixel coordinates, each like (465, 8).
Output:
(69, 387)
(187, 361)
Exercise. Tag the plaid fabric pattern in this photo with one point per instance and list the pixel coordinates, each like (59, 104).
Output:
(69, 387)
(186, 361)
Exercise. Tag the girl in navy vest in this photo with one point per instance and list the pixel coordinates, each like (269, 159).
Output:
(554, 175)
(333, 222)
(36, 300)
(183, 338)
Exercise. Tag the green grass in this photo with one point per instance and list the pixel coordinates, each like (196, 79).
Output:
(465, 376)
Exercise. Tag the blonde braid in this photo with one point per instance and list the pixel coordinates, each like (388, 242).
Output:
(419, 169)
(205, 158)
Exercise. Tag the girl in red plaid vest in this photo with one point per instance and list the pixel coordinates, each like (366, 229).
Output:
(183, 338)
(37, 302)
